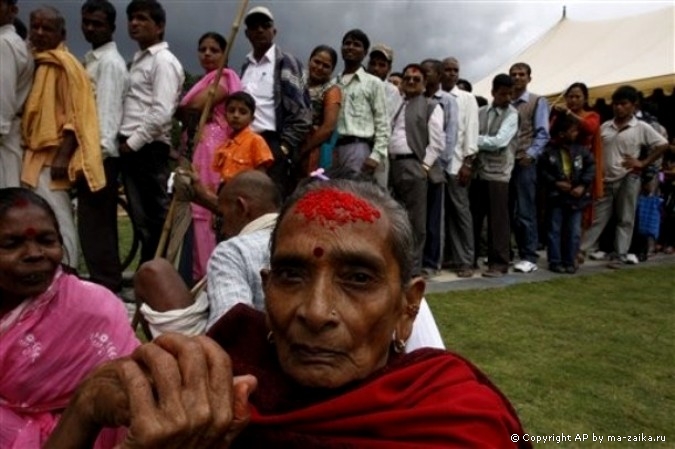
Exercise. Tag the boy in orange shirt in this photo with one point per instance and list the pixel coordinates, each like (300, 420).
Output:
(246, 150)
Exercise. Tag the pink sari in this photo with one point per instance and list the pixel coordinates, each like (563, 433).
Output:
(216, 131)
(48, 344)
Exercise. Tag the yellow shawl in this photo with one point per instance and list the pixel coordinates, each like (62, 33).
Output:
(62, 98)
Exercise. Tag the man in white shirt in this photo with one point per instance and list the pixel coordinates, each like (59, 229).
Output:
(97, 211)
(417, 140)
(283, 116)
(16, 77)
(156, 81)
(460, 240)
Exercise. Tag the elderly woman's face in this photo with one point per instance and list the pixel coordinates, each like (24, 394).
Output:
(30, 251)
(334, 298)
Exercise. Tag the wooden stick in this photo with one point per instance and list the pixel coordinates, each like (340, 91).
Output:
(166, 229)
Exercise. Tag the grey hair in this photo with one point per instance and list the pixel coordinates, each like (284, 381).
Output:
(400, 229)
(55, 14)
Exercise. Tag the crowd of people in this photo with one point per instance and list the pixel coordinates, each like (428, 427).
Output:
(336, 196)
(470, 179)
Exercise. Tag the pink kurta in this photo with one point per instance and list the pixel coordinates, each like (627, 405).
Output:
(216, 131)
(48, 344)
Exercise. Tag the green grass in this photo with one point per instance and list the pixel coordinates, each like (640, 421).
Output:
(583, 354)
(125, 238)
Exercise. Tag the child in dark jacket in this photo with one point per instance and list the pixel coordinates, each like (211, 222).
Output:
(568, 170)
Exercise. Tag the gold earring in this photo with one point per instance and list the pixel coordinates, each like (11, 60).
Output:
(399, 344)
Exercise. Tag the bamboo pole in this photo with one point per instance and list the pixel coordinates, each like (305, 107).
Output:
(206, 112)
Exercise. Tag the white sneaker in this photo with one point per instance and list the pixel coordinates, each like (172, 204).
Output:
(525, 266)
(598, 255)
(630, 259)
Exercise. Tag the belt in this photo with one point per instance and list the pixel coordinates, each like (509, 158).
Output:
(346, 140)
(400, 157)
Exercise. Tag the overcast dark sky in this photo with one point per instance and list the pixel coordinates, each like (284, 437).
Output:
(481, 34)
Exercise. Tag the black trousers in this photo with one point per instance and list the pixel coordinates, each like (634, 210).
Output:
(97, 228)
(491, 198)
(145, 173)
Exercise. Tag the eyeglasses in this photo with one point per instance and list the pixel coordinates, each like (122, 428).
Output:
(412, 79)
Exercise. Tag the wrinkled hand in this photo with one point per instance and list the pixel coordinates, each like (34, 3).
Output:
(464, 175)
(189, 399)
(176, 392)
(369, 166)
(632, 163)
(578, 191)
(563, 186)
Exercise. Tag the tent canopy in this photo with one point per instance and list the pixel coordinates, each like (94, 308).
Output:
(637, 50)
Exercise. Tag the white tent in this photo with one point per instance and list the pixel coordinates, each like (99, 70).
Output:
(637, 50)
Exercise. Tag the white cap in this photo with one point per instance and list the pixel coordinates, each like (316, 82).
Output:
(258, 10)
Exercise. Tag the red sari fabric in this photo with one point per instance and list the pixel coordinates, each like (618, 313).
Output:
(427, 399)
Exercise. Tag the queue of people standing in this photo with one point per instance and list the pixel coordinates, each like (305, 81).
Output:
(451, 164)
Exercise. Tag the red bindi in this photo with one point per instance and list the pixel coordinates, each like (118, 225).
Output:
(318, 252)
(331, 207)
(30, 232)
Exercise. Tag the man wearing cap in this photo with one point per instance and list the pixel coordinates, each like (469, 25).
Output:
(16, 77)
(363, 125)
(283, 116)
(379, 65)
(460, 241)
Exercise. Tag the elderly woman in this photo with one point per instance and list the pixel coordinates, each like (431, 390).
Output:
(323, 368)
(54, 328)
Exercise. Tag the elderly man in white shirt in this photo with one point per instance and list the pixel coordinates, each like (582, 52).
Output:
(16, 77)
(97, 211)
(460, 239)
(156, 81)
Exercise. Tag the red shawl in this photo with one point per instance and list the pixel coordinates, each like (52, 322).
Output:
(427, 399)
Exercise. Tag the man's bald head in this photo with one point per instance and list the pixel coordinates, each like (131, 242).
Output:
(246, 197)
(47, 28)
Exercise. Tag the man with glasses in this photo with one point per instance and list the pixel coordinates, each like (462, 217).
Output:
(274, 79)
(417, 140)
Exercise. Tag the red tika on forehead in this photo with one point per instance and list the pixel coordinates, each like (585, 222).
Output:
(30, 232)
(332, 207)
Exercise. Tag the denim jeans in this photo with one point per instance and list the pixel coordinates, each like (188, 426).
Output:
(523, 197)
(564, 235)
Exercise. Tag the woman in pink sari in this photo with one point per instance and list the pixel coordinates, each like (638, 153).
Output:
(54, 328)
(216, 131)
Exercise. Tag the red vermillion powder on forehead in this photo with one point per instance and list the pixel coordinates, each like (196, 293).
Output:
(332, 207)
(30, 232)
